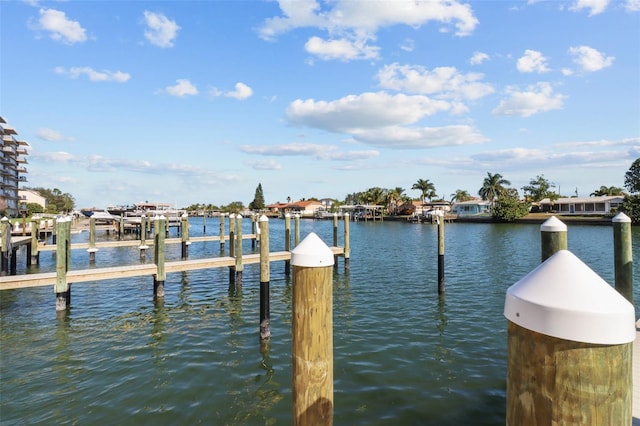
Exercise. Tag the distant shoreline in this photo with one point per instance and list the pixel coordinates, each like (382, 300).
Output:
(532, 218)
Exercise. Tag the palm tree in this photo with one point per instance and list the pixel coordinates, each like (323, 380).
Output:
(427, 189)
(375, 195)
(460, 195)
(607, 190)
(393, 197)
(493, 187)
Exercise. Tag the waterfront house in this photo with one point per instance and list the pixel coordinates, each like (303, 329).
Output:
(607, 204)
(28, 196)
(476, 206)
(303, 208)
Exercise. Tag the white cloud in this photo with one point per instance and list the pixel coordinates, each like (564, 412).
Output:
(76, 72)
(161, 31)
(242, 91)
(420, 137)
(60, 28)
(408, 45)
(590, 59)
(443, 82)
(478, 58)
(183, 87)
(51, 135)
(532, 61)
(534, 100)
(342, 49)
(351, 24)
(632, 6)
(317, 151)
(595, 7)
(368, 110)
(264, 165)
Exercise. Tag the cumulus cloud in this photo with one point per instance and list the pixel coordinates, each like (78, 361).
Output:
(352, 24)
(594, 7)
(59, 27)
(420, 137)
(264, 165)
(589, 59)
(532, 61)
(51, 135)
(93, 75)
(536, 99)
(160, 31)
(478, 58)
(632, 6)
(443, 82)
(183, 87)
(242, 91)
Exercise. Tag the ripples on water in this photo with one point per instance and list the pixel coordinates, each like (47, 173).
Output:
(402, 355)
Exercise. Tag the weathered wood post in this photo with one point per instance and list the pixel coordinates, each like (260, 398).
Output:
(335, 237)
(239, 266)
(143, 237)
(347, 245)
(287, 242)
(5, 234)
(24, 225)
(159, 251)
(254, 230)
(297, 230)
(62, 288)
(440, 220)
(54, 230)
(312, 332)
(92, 240)
(623, 259)
(553, 237)
(35, 254)
(184, 232)
(222, 232)
(232, 246)
(265, 278)
(204, 222)
(569, 347)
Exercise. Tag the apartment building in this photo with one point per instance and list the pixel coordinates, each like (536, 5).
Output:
(13, 158)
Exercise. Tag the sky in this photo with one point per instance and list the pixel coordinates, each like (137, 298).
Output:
(200, 101)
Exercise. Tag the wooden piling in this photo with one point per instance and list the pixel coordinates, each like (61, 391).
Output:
(54, 231)
(222, 233)
(62, 288)
(239, 268)
(265, 278)
(287, 242)
(297, 229)
(440, 219)
(335, 237)
(5, 253)
(35, 254)
(254, 230)
(623, 259)
(159, 256)
(553, 237)
(92, 240)
(347, 245)
(204, 223)
(143, 237)
(184, 233)
(312, 332)
(569, 347)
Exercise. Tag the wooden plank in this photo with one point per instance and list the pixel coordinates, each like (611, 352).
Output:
(135, 243)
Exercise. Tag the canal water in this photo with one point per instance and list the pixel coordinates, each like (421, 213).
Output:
(402, 355)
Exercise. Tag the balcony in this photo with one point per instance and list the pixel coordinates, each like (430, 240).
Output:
(22, 178)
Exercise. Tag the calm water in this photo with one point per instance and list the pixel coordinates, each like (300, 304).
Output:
(401, 354)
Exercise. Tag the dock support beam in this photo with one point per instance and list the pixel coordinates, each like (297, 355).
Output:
(159, 236)
(265, 310)
(312, 332)
(63, 258)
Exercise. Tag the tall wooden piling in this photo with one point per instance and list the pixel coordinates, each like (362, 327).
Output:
(347, 245)
(297, 229)
(254, 230)
(239, 268)
(184, 233)
(312, 332)
(265, 278)
(222, 233)
(232, 235)
(440, 219)
(335, 237)
(62, 288)
(553, 237)
(35, 254)
(5, 253)
(287, 242)
(159, 255)
(569, 347)
(143, 237)
(92, 240)
(623, 259)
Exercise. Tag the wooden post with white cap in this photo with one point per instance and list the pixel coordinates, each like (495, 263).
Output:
(440, 219)
(143, 237)
(312, 332)
(184, 233)
(62, 288)
(159, 250)
(622, 254)
(553, 237)
(239, 268)
(569, 347)
(222, 233)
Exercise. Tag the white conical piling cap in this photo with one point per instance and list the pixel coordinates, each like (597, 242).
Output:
(553, 224)
(564, 298)
(621, 218)
(312, 252)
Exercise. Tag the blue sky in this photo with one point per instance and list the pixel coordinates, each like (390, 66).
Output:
(199, 101)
